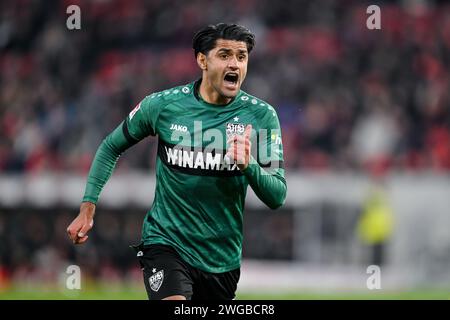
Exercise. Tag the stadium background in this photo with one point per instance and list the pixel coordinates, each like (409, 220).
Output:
(365, 116)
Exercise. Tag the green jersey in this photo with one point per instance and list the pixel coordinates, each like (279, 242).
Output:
(199, 196)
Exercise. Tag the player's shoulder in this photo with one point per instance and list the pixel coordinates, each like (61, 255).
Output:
(167, 96)
(258, 106)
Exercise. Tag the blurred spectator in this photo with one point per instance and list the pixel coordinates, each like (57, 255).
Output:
(346, 95)
(376, 223)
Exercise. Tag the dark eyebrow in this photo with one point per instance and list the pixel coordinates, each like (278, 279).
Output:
(227, 50)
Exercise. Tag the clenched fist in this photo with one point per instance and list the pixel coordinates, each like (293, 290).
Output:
(240, 147)
(79, 227)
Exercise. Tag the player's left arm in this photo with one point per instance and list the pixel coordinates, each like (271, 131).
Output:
(265, 170)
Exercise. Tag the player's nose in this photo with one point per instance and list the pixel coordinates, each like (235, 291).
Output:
(232, 63)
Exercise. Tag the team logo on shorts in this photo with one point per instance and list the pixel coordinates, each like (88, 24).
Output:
(156, 280)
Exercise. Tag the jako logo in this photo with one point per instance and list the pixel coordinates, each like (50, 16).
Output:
(178, 127)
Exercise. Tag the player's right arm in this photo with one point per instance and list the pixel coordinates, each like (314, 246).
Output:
(140, 123)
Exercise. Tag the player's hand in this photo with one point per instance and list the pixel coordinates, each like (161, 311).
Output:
(79, 227)
(240, 147)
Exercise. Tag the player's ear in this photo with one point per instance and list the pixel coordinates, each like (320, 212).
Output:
(201, 61)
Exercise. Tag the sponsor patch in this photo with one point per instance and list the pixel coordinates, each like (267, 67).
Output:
(133, 112)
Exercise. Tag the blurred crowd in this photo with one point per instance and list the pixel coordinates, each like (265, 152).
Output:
(35, 247)
(348, 98)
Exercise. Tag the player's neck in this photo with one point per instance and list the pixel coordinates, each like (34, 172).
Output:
(210, 95)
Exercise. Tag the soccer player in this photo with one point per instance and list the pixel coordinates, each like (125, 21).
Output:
(214, 141)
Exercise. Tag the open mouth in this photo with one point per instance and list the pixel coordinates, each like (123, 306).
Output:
(231, 79)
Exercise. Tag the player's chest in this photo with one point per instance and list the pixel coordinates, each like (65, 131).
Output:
(199, 127)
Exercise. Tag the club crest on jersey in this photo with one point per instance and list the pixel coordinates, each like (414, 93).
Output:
(235, 128)
(156, 280)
